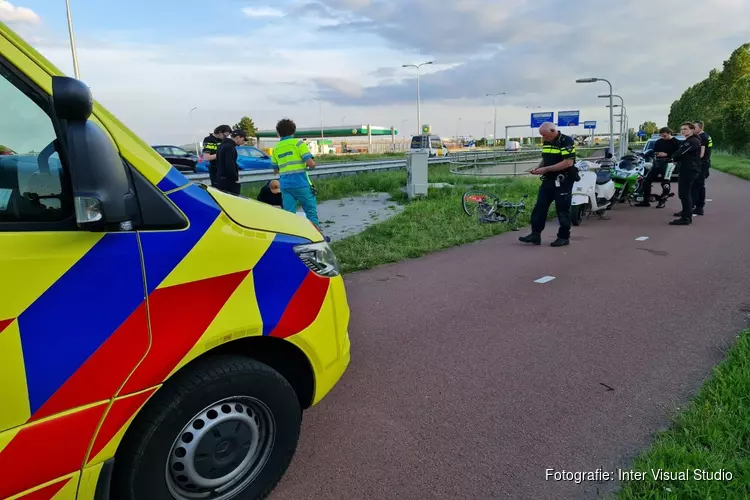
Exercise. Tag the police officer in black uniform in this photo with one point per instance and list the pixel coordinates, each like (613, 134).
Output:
(699, 186)
(558, 176)
(688, 158)
(211, 148)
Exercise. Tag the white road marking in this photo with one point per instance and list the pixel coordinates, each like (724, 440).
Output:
(709, 199)
(544, 279)
(641, 238)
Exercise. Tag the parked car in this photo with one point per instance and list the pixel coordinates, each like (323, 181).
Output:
(430, 143)
(248, 158)
(178, 157)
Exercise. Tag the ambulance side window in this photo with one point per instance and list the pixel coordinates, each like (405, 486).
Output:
(34, 189)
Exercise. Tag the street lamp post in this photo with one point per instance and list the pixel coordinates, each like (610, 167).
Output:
(532, 128)
(320, 111)
(458, 121)
(622, 132)
(494, 105)
(623, 128)
(611, 113)
(195, 141)
(419, 111)
(72, 40)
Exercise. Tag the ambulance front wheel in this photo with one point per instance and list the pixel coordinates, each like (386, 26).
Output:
(225, 429)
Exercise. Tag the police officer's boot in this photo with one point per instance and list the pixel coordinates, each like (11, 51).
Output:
(533, 238)
(560, 242)
(698, 211)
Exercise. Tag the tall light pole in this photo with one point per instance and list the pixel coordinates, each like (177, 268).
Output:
(611, 113)
(494, 105)
(532, 128)
(342, 119)
(320, 111)
(622, 132)
(72, 40)
(419, 111)
(623, 126)
(190, 118)
(457, 123)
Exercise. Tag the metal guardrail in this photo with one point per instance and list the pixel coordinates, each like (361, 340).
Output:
(332, 169)
(461, 161)
(518, 163)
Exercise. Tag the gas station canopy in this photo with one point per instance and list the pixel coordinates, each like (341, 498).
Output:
(341, 131)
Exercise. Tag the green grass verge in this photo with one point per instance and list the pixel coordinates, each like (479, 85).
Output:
(735, 165)
(425, 225)
(712, 433)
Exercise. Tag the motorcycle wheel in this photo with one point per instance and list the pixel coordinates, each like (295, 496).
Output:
(576, 214)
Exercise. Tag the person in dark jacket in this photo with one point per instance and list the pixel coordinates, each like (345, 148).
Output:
(227, 171)
(211, 146)
(688, 157)
(664, 148)
(699, 186)
(271, 193)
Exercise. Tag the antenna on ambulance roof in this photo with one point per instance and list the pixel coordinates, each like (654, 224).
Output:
(72, 40)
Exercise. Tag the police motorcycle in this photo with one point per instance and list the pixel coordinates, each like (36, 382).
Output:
(663, 178)
(593, 193)
(628, 175)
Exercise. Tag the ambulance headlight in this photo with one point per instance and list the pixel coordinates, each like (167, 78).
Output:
(319, 258)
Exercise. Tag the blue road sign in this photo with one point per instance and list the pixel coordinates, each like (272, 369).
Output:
(568, 118)
(589, 125)
(537, 119)
(641, 133)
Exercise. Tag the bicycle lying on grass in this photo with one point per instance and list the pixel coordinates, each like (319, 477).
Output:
(489, 208)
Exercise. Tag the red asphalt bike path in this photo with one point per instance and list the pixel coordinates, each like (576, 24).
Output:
(468, 379)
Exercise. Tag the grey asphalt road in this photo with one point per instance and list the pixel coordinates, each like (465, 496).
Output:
(468, 379)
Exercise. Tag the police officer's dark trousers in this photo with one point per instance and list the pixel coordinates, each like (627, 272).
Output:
(686, 179)
(230, 187)
(212, 176)
(549, 193)
(699, 187)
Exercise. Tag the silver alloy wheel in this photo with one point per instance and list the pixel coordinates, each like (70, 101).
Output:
(221, 450)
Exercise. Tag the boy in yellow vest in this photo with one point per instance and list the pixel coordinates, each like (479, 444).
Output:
(291, 158)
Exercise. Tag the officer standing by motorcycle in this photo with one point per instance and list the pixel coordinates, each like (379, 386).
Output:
(558, 176)
(664, 148)
(211, 149)
(699, 187)
(689, 159)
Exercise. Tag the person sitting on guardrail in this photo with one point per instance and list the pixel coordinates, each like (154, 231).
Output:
(291, 158)
(271, 193)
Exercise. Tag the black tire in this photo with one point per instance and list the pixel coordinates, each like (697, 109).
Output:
(472, 198)
(142, 464)
(576, 214)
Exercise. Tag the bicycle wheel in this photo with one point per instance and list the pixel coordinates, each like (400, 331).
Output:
(478, 203)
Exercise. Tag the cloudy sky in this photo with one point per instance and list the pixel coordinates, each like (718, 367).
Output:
(150, 62)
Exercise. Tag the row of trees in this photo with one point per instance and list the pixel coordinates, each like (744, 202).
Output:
(722, 101)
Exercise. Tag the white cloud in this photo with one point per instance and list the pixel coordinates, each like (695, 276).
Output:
(524, 48)
(261, 12)
(12, 14)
